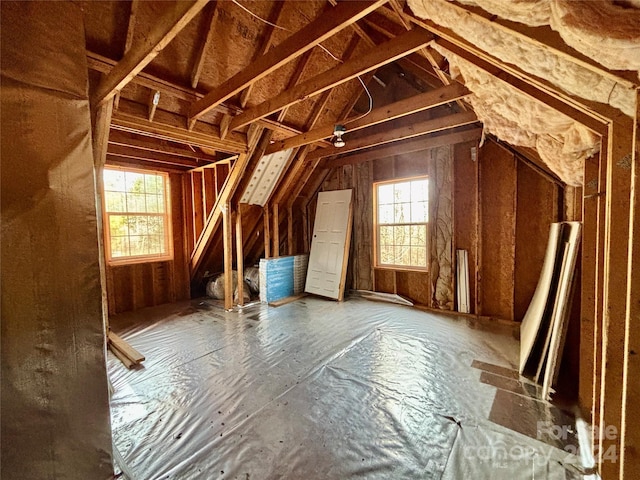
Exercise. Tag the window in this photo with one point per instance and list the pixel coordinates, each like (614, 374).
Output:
(136, 215)
(401, 217)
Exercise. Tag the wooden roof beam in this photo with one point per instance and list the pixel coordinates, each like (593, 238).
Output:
(119, 137)
(412, 146)
(166, 128)
(309, 36)
(139, 56)
(408, 106)
(399, 133)
(374, 58)
(127, 152)
(212, 16)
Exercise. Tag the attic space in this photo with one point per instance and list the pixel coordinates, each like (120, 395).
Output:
(324, 239)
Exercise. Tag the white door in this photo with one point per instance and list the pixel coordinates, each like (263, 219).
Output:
(330, 244)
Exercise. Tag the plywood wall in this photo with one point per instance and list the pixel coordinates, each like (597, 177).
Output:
(130, 287)
(503, 210)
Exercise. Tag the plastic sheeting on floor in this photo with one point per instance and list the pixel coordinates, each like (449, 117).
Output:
(323, 390)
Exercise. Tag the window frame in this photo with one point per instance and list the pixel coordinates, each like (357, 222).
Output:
(376, 227)
(167, 215)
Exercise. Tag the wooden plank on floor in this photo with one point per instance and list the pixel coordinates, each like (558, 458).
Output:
(284, 301)
(125, 348)
(121, 356)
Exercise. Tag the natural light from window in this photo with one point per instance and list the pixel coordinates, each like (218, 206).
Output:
(137, 224)
(402, 215)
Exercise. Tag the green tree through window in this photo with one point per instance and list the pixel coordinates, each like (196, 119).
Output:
(136, 215)
(402, 215)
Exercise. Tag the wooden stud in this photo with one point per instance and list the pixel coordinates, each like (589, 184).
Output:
(267, 232)
(276, 231)
(228, 255)
(214, 219)
(616, 257)
(239, 256)
(100, 142)
(382, 55)
(290, 250)
(167, 27)
(630, 434)
(298, 43)
(197, 205)
(588, 285)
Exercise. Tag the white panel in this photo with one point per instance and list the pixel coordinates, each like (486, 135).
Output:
(265, 177)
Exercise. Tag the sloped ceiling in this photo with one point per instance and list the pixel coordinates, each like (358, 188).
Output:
(607, 32)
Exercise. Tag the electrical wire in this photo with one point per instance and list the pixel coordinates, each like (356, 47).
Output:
(259, 17)
(364, 86)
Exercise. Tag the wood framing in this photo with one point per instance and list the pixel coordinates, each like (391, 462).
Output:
(168, 26)
(390, 51)
(203, 46)
(172, 132)
(416, 145)
(408, 106)
(214, 218)
(317, 31)
(239, 256)
(397, 134)
(227, 236)
(617, 248)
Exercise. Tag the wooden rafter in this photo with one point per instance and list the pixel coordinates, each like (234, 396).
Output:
(404, 132)
(320, 29)
(288, 183)
(382, 55)
(133, 14)
(139, 56)
(104, 65)
(388, 28)
(415, 145)
(274, 18)
(408, 106)
(212, 16)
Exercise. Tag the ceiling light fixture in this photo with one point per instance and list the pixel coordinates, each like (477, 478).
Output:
(338, 131)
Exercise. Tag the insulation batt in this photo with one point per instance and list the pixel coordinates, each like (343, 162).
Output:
(607, 31)
(562, 143)
(533, 59)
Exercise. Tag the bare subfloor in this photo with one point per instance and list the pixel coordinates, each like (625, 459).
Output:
(323, 390)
